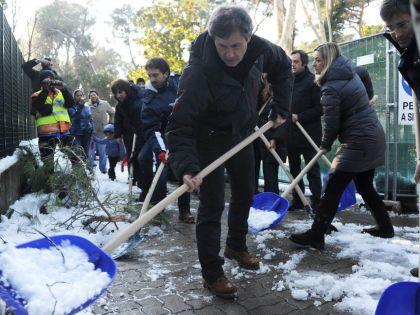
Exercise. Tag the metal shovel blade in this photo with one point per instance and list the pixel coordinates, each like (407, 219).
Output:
(128, 246)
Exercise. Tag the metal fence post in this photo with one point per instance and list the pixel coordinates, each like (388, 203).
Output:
(396, 91)
(387, 121)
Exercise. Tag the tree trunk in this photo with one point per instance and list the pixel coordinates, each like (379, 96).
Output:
(31, 37)
(360, 20)
(287, 36)
(312, 24)
(320, 21)
(279, 13)
(328, 11)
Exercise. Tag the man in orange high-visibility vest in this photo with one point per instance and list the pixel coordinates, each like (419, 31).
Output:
(49, 105)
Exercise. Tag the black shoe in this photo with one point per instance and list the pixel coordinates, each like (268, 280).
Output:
(295, 207)
(142, 196)
(308, 239)
(377, 232)
(415, 272)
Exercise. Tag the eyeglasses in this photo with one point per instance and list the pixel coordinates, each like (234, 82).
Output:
(402, 26)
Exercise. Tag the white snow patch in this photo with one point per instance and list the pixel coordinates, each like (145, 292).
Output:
(380, 262)
(43, 278)
(261, 219)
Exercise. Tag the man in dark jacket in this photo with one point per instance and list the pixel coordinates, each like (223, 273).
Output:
(46, 64)
(397, 17)
(158, 105)
(216, 108)
(307, 110)
(261, 154)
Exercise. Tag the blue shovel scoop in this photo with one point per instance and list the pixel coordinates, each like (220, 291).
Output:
(272, 202)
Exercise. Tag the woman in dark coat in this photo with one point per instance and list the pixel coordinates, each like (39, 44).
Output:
(348, 117)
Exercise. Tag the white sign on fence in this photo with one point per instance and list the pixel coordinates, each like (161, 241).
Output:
(365, 60)
(405, 103)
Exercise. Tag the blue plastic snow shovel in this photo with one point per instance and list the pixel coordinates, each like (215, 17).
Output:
(306, 206)
(348, 198)
(269, 201)
(16, 304)
(401, 298)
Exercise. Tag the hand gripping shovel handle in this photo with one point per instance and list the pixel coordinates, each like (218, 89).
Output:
(308, 137)
(130, 169)
(278, 159)
(152, 189)
(122, 236)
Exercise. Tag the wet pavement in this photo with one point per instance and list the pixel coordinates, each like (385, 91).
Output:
(162, 275)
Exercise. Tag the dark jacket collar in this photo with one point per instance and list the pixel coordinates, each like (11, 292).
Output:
(203, 53)
(340, 69)
(301, 75)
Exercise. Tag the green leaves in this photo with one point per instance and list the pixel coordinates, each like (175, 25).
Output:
(163, 29)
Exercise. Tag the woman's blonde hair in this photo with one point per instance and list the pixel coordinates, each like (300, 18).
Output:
(329, 52)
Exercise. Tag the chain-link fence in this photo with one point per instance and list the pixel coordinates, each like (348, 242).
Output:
(15, 90)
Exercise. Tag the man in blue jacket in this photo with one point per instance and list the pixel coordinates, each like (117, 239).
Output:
(157, 106)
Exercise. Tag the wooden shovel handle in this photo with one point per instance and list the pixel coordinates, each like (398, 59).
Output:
(152, 189)
(308, 137)
(130, 169)
(290, 176)
(302, 173)
(123, 235)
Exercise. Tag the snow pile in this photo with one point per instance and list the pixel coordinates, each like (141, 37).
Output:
(380, 262)
(44, 278)
(261, 219)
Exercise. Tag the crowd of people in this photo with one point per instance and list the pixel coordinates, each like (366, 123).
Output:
(234, 81)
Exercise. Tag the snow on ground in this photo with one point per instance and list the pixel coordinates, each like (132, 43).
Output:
(380, 262)
(8, 161)
(26, 217)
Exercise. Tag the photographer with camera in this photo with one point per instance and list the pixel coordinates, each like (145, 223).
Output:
(34, 75)
(49, 105)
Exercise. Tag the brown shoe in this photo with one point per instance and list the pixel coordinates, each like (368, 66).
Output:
(222, 287)
(186, 217)
(245, 259)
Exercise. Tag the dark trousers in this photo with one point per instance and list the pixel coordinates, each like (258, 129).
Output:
(270, 166)
(240, 169)
(336, 183)
(145, 167)
(128, 143)
(47, 148)
(314, 174)
(84, 142)
(113, 160)
(145, 163)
